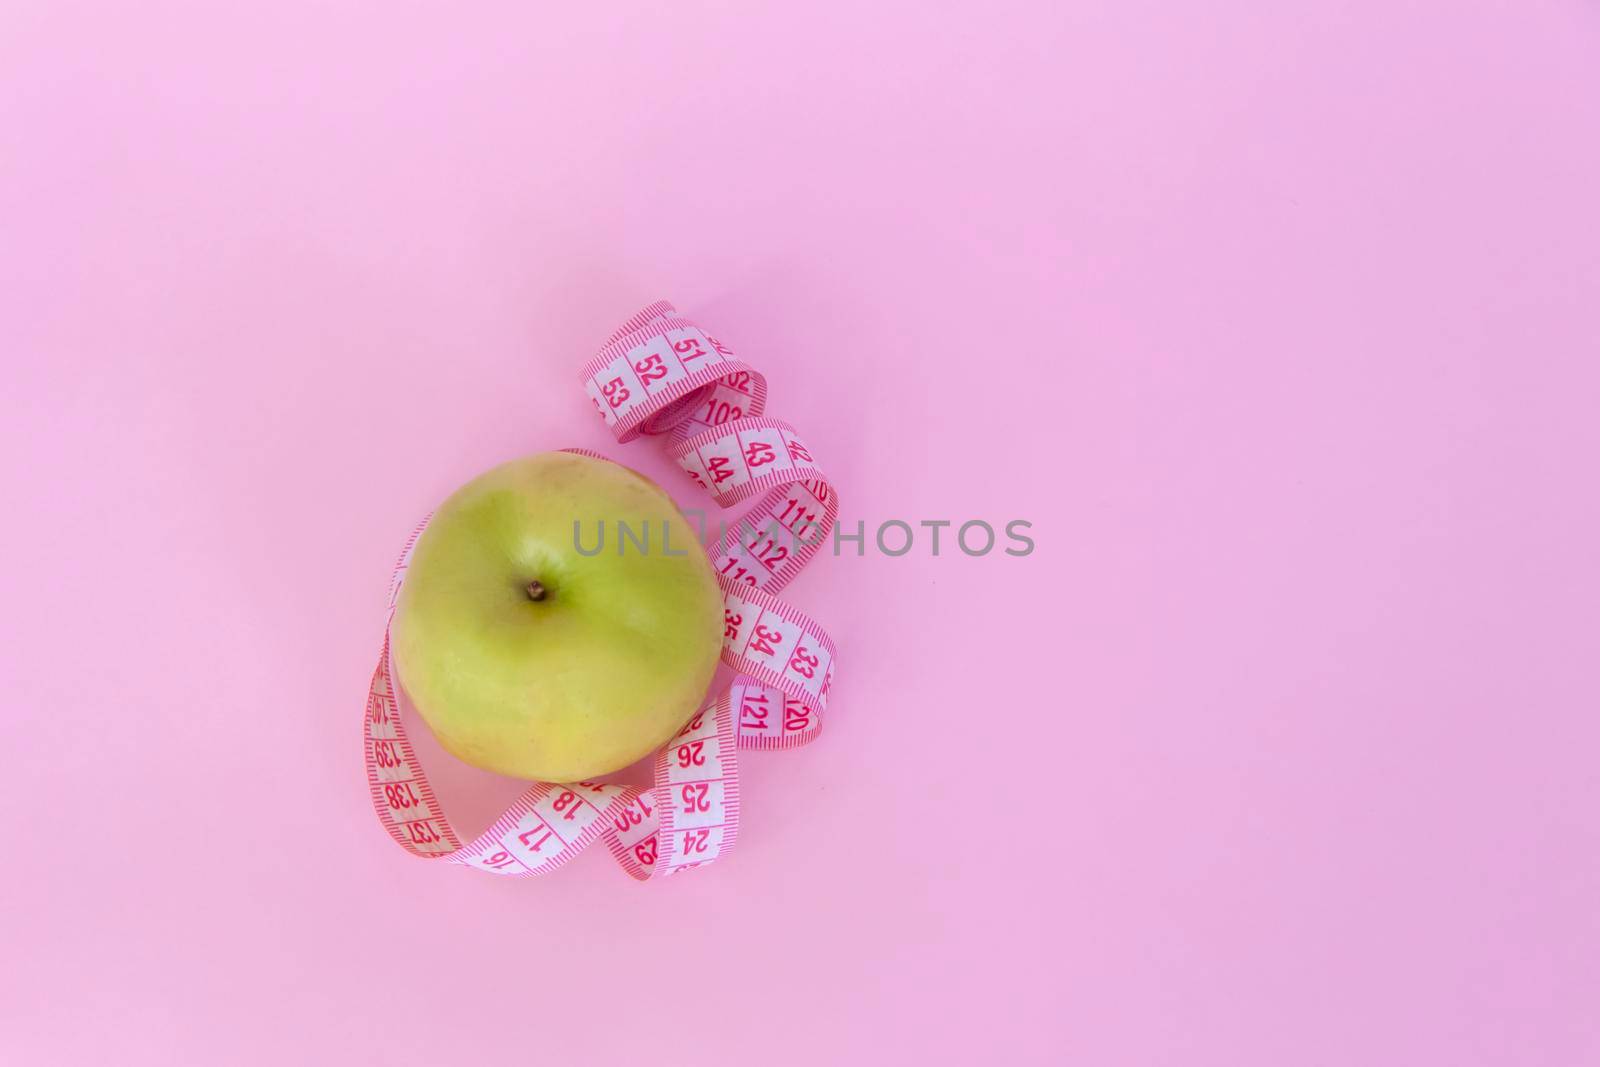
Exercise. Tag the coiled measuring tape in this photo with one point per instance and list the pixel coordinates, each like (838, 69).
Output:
(660, 374)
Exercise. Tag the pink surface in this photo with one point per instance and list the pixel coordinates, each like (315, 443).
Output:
(1277, 321)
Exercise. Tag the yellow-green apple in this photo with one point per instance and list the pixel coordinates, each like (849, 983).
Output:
(531, 658)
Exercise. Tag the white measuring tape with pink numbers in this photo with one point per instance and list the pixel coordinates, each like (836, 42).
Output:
(660, 374)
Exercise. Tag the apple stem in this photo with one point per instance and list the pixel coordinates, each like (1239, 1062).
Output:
(535, 591)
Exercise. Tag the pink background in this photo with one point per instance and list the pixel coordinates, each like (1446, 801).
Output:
(1277, 320)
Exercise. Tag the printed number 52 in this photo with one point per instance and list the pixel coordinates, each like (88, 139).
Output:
(651, 369)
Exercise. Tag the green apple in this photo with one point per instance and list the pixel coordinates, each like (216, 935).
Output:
(529, 657)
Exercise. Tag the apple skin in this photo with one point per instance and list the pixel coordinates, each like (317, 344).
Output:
(603, 669)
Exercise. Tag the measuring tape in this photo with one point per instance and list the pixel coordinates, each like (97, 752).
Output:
(660, 374)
